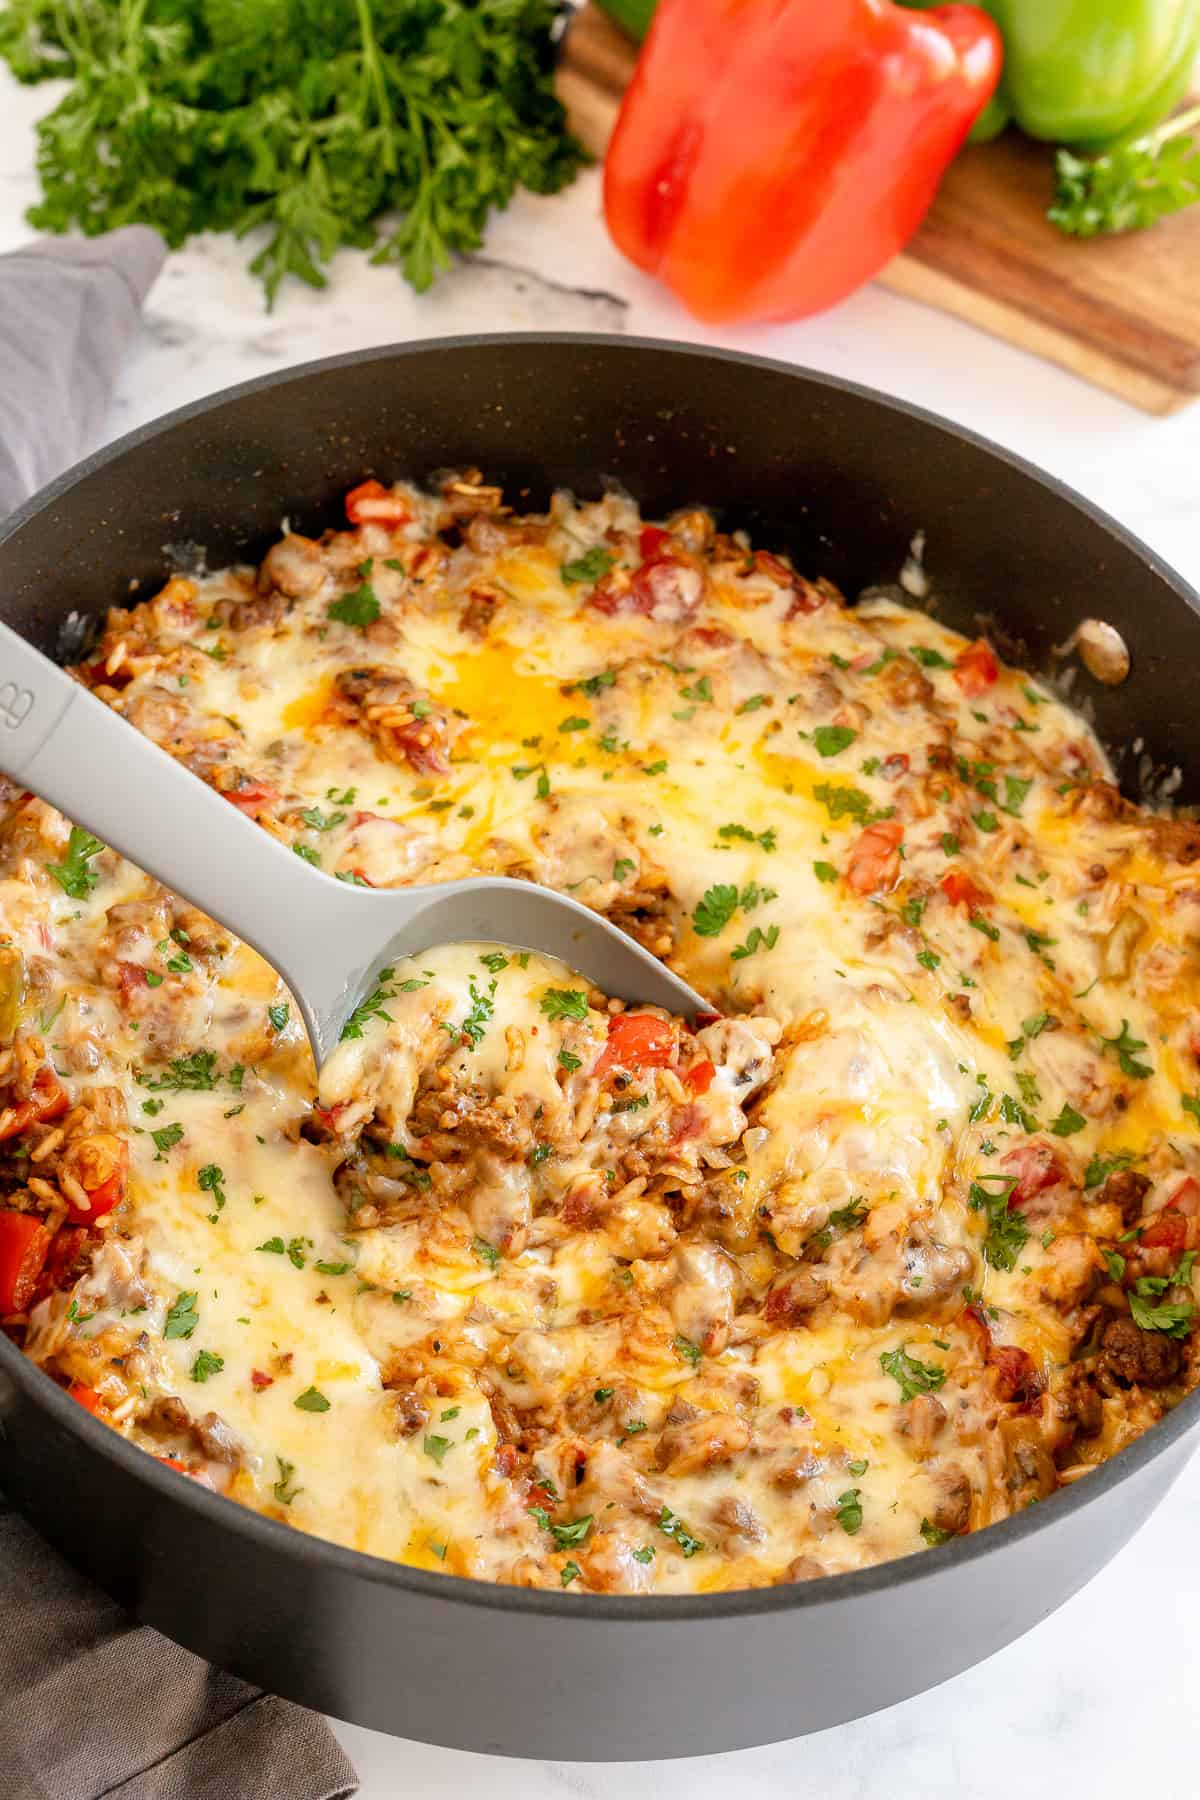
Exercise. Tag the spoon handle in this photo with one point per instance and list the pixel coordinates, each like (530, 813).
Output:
(83, 758)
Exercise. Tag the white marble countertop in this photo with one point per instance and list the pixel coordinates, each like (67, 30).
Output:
(1097, 1700)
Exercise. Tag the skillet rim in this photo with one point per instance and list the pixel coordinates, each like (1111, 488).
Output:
(288, 1541)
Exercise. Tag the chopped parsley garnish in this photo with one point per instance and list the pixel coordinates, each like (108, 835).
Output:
(623, 866)
(319, 821)
(359, 607)
(570, 1537)
(1014, 795)
(913, 911)
(564, 1003)
(283, 1489)
(913, 1376)
(825, 871)
(487, 1253)
(194, 1074)
(950, 843)
(644, 1555)
(207, 1363)
(831, 740)
(473, 1029)
(1068, 1122)
(210, 1180)
(849, 1511)
(1125, 1045)
(1101, 1167)
(182, 1319)
(275, 1246)
(928, 959)
(859, 1464)
(714, 911)
(766, 839)
(603, 1394)
(311, 1400)
(164, 1138)
(1007, 1230)
(574, 723)
(929, 659)
(571, 1571)
(700, 691)
(631, 1103)
(594, 684)
(672, 1526)
(750, 705)
(74, 875)
(589, 567)
(569, 1061)
(933, 1534)
(278, 1016)
(333, 1268)
(437, 1446)
(539, 1154)
(986, 821)
(757, 940)
(844, 802)
(981, 924)
(306, 854)
(373, 1006)
(688, 1351)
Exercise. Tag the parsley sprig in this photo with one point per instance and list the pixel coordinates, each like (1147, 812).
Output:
(307, 121)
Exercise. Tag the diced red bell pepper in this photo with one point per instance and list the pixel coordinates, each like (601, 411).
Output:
(87, 1397)
(651, 541)
(772, 155)
(1034, 1167)
(24, 1247)
(100, 1164)
(47, 1100)
(874, 859)
(960, 890)
(699, 1078)
(976, 669)
(370, 503)
(1168, 1232)
(637, 1041)
(252, 798)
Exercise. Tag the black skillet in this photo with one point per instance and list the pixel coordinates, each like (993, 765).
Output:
(841, 478)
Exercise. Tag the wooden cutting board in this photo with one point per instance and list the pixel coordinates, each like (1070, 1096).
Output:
(1123, 312)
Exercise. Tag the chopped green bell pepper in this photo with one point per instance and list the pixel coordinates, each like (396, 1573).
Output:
(1089, 72)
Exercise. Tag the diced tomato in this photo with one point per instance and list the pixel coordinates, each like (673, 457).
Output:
(252, 798)
(960, 890)
(651, 541)
(87, 1397)
(100, 1164)
(699, 1078)
(370, 503)
(47, 1100)
(331, 1118)
(1186, 1198)
(666, 587)
(874, 860)
(539, 1496)
(131, 980)
(1168, 1232)
(637, 1041)
(59, 1268)
(24, 1247)
(1035, 1167)
(1015, 1370)
(976, 668)
(259, 1380)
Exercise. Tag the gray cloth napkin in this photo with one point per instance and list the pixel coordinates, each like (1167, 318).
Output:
(68, 310)
(91, 1703)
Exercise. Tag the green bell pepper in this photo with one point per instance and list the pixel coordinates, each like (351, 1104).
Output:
(1089, 72)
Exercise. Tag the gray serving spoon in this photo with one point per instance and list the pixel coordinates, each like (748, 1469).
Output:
(328, 939)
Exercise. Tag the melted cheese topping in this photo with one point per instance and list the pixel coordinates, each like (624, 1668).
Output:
(533, 1294)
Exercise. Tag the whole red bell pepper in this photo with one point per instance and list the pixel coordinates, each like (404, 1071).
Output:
(772, 155)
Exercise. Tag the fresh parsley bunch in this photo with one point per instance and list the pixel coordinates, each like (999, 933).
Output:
(309, 118)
